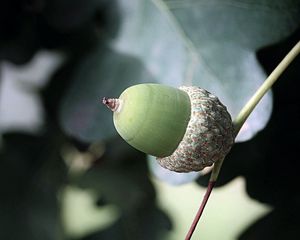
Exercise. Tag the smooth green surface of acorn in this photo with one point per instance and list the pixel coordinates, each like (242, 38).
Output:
(149, 115)
(187, 129)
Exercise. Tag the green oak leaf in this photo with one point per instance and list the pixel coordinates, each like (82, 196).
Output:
(211, 44)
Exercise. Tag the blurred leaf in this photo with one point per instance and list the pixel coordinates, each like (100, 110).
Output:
(207, 43)
(268, 160)
(120, 177)
(121, 173)
(211, 44)
(101, 73)
(170, 177)
(31, 174)
(81, 214)
(147, 223)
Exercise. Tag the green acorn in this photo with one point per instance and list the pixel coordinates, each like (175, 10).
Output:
(187, 129)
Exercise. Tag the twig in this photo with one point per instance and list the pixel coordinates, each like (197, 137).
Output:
(238, 123)
(200, 211)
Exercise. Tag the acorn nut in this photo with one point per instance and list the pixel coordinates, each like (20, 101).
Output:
(186, 129)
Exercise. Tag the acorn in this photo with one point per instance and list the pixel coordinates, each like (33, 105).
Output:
(186, 129)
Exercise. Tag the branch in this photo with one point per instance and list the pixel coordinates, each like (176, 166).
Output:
(238, 123)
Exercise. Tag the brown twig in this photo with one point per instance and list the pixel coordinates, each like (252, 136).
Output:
(238, 123)
(201, 209)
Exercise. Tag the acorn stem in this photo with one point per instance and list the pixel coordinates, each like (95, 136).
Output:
(254, 100)
(271, 79)
(240, 120)
(200, 210)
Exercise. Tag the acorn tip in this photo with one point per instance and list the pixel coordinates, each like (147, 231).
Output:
(111, 103)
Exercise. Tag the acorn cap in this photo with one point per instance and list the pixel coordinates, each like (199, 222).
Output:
(208, 137)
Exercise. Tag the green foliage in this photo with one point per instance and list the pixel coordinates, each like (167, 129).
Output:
(211, 44)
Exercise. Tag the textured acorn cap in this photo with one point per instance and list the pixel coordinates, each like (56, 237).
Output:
(208, 137)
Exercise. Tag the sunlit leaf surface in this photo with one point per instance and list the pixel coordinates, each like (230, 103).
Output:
(211, 44)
